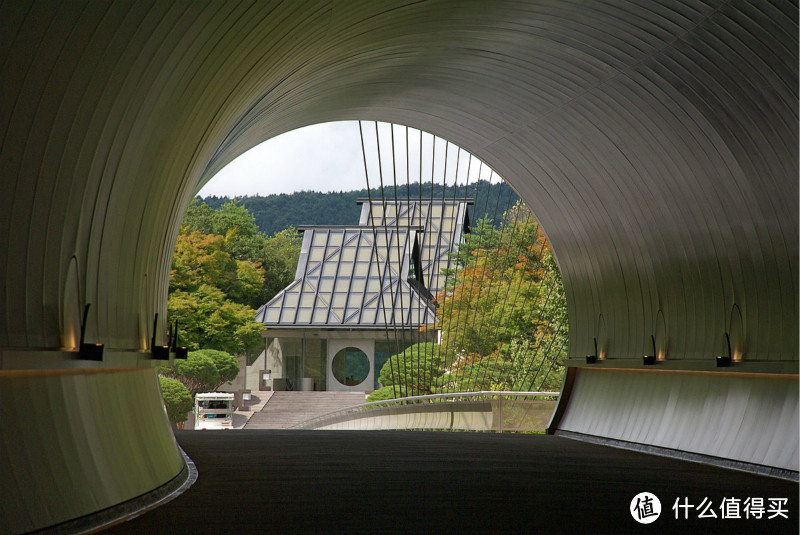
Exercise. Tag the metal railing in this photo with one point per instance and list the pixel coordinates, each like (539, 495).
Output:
(468, 411)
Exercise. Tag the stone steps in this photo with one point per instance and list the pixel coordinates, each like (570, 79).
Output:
(285, 409)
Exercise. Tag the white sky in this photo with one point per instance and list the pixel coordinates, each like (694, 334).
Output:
(328, 157)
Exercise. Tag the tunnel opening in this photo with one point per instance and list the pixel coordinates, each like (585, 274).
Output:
(444, 281)
(664, 135)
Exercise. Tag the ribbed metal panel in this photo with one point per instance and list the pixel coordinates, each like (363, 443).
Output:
(75, 442)
(655, 141)
(750, 418)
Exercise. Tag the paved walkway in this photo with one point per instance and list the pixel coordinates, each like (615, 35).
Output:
(285, 409)
(320, 482)
(256, 404)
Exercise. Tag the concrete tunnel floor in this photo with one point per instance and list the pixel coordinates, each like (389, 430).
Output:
(282, 481)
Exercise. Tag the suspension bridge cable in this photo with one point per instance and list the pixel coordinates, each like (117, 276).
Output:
(517, 228)
(420, 312)
(400, 256)
(547, 351)
(553, 360)
(522, 278)
(553, 356)
(375, 250)
(538, 288)
(539, 341)
(475, 369)
(428, 227)
(472, 281)
(388, 252)
(449, 273)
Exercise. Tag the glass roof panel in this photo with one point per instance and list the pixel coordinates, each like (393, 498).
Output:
(358, 285)
(336, 238)
(329, 269)
(319, 238)
(363, 274)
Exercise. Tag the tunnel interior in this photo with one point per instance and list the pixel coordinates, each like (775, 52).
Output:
(656, 142)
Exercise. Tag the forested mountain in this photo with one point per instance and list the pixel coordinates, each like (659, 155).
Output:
(274, 213)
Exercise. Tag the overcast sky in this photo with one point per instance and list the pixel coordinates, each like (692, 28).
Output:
(328, 157)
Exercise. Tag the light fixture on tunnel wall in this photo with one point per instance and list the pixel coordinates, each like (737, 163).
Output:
(181, 352)
(649, 360)
(722, 360)
(158, 352)
(591, 359)
(89, 351)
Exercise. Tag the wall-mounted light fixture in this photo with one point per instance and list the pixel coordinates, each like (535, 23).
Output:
(725, 361)
(158, 352)
(649, 360)
(181, 352)
(89, 351)
(591, 359)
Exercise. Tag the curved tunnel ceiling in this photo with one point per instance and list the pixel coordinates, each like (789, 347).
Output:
(655, 141)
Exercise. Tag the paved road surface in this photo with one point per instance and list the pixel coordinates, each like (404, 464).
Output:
(319, 482)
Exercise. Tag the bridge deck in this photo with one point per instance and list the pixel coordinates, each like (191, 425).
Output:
(281, 481)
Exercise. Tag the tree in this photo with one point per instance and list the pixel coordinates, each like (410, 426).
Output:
(208, 320)
(198, 373)
(275, 212)
(279, 258)
(177, 399)
(218, 278)
(503, 315)
(226, 364)
(211, 294)
(412, 372)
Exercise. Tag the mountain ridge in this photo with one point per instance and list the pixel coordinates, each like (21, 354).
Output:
(275, 212)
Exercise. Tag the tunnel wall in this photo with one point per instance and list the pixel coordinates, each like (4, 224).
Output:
(656, 142)
(75, 442)
(749, 418)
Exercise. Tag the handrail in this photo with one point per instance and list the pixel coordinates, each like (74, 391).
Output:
(411, 400)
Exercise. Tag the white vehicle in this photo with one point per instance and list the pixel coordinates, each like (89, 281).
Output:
(213, 410)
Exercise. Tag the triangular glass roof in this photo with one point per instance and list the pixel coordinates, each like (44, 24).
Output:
(351, 277)
(443, 223)
(358, 276)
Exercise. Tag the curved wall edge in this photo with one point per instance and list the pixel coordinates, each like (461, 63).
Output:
(748, 418)
(76, 442)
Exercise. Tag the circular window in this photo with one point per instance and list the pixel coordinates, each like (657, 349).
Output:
(350, 366)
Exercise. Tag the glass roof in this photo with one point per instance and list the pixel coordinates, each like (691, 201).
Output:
(365, 276)
(442, 220)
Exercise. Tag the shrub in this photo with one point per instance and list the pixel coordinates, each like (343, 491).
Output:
(177, 399)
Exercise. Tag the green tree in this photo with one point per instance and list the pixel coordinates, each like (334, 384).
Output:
(211, 294)
(210, 321)
(243, 240)
(198, 373)
(411, 373)
(177, 399)
(226, 364)
(503, 315)
(279, 257)
(199, 217)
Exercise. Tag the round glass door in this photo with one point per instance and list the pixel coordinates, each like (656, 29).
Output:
(350, 366)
